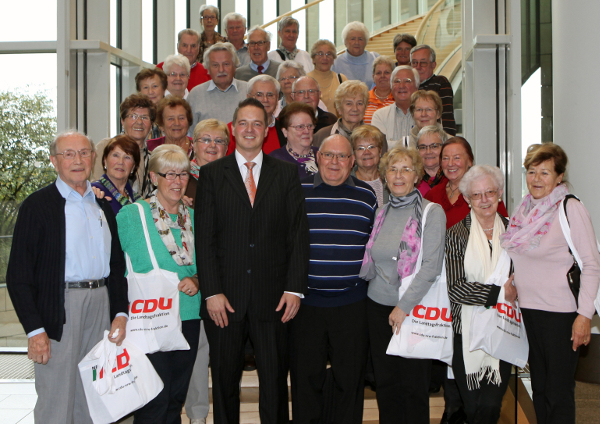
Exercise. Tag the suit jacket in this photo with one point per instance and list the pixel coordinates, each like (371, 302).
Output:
(251, 254)
(324, 119)
(245, 73)
(36, 269)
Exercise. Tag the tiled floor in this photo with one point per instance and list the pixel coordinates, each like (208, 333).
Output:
(16, 403)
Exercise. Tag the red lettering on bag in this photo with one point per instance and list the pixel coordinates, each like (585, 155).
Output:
(432, 313)
(164, 306)
(509, 311)
(134, 305)
(122, 360)
(500, 308)
(150, 306)
(416, 309)
(446, 315)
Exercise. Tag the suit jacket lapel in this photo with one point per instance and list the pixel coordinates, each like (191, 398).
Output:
(267, 176)
(233, 175)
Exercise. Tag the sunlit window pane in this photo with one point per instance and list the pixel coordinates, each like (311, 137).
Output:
(30, 20)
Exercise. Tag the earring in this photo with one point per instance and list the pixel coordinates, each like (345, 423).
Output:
(469, 205)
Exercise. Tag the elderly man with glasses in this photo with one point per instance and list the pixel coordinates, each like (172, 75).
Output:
(306, 90)
(259, 44)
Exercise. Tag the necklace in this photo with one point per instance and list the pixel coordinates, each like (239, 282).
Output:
(451, 191)
(488, 229)
(381, 98)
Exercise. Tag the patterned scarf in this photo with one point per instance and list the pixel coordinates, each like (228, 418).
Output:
(183, 256)
(309, 161)
(195, 170)
(410, 242)
(433, 181)
(115, 194)
(530, 221)
(291, 55)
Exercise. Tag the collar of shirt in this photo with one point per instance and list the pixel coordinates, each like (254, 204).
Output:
(185, 95)
(398, 110)
(243, 48)
(423, 82)
(319, 180)
(258, 160)
(193, 65)
(66, 190)
(265, 66)
(212, 86)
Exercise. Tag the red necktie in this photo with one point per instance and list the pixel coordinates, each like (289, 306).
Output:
(249, 182)
(260, 69)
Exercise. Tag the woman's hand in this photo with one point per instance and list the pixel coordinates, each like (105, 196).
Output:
(189, 286)
(187, 201)
(100, 194)
(396, 319)
(582, 330)
(510, 291)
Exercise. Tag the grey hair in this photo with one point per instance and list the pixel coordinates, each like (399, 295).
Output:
(406, 68)
(478, 171)
(258, 28)
(407, 38)
(166, 157)
(234, 17)
(188, 31)
(432, 130)
(290, 64)
(383, 60)
(264, 78)
(355, 26)
(218, 47)
(305, 76)
(422, 47)
(322, 42)
(69, 133)
(286, 22)
(179, 60)
(210, 8)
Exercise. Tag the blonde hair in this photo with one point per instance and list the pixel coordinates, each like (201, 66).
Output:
(398, 153)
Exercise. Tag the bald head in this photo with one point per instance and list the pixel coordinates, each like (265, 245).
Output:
(335, 159)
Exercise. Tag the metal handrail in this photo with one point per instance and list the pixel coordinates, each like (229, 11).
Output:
(426, 19)
(280, 17)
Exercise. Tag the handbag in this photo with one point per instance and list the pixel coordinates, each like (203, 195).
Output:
(499, 330)
(117, 380)
(574, 273)
(426, 332)
(154, 321)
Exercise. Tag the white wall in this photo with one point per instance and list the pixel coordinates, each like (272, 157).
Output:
(575, 66)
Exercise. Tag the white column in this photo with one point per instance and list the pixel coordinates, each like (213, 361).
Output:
(575, 65)
(166, 29)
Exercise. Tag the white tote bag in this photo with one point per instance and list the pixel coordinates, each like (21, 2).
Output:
(499, 330)
(154, 321)
(117, 380)
(426, 332)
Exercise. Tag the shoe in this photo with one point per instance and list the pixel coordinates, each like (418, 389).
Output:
(249, 363)
(198, 421)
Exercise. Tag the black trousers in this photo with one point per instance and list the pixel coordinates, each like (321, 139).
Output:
(175, 370)
(552, 363)
(482, 405)
(340, 334)
(227, 346)
(402, 383)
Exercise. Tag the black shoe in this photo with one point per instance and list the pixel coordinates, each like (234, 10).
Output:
(249, 363)
(458, 417)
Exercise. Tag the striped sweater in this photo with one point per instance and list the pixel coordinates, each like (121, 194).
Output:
(460, 291)
(340, 220)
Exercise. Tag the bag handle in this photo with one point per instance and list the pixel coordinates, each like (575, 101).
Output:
(566, 229)
(423, 220)
(147, 235)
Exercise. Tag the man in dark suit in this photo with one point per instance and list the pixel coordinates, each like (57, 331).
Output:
(252, 252)
(66, 279)
(259, 44)
(306, 90)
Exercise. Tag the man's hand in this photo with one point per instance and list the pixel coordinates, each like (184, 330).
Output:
(292, 303)
(217, 307)
(118, 323)
(396, 319)
(582, 331)
(38, 349)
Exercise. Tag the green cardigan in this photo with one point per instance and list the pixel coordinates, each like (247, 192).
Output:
(133, 243)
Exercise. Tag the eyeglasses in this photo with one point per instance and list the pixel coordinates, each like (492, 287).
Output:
(175, 74)
(170, 176)
(70, 154)
(257, 43)
(303, 92)
(403, 170)
(207, 140)
(303, 127)
(209, 18)
(433, 146)
(342, 157)
(426, 111)
(403, 81)
(260, 95)
(134, 117)
(293, 77)
(366, 148)
(328, 55)
(489, 194)
(416, 64)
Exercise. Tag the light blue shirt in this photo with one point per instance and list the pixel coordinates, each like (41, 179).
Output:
(265, 66)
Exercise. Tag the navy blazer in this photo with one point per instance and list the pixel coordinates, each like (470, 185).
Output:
(36, 269)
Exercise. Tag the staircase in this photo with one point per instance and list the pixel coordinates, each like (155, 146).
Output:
(382, 41)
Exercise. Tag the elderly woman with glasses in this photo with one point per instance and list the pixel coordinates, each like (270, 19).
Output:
(356, 62)
(209, 18)
(288, 72)
(323, 54)
(425, 108)
(170, 226)
(391, 255)
(177, 68)
(429, 143)
(367, 142)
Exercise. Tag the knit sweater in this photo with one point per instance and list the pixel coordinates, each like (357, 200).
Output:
(340, 220)
(134, 244)
(356, 67)
(328, 83)
(375, 104)
(385, 252)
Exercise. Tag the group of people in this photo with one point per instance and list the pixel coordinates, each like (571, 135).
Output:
(294, 227)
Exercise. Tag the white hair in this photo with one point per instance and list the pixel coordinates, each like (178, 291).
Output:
(290, 64)
(233, 17)
(432, 130)
(217, 47)
(355, 26)
(423, 47)
(210, 8)
(176, 59)
(258, 28)
(479, 171)
(264, 78)
(286, 22)
(69, 133)
(405, 68)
